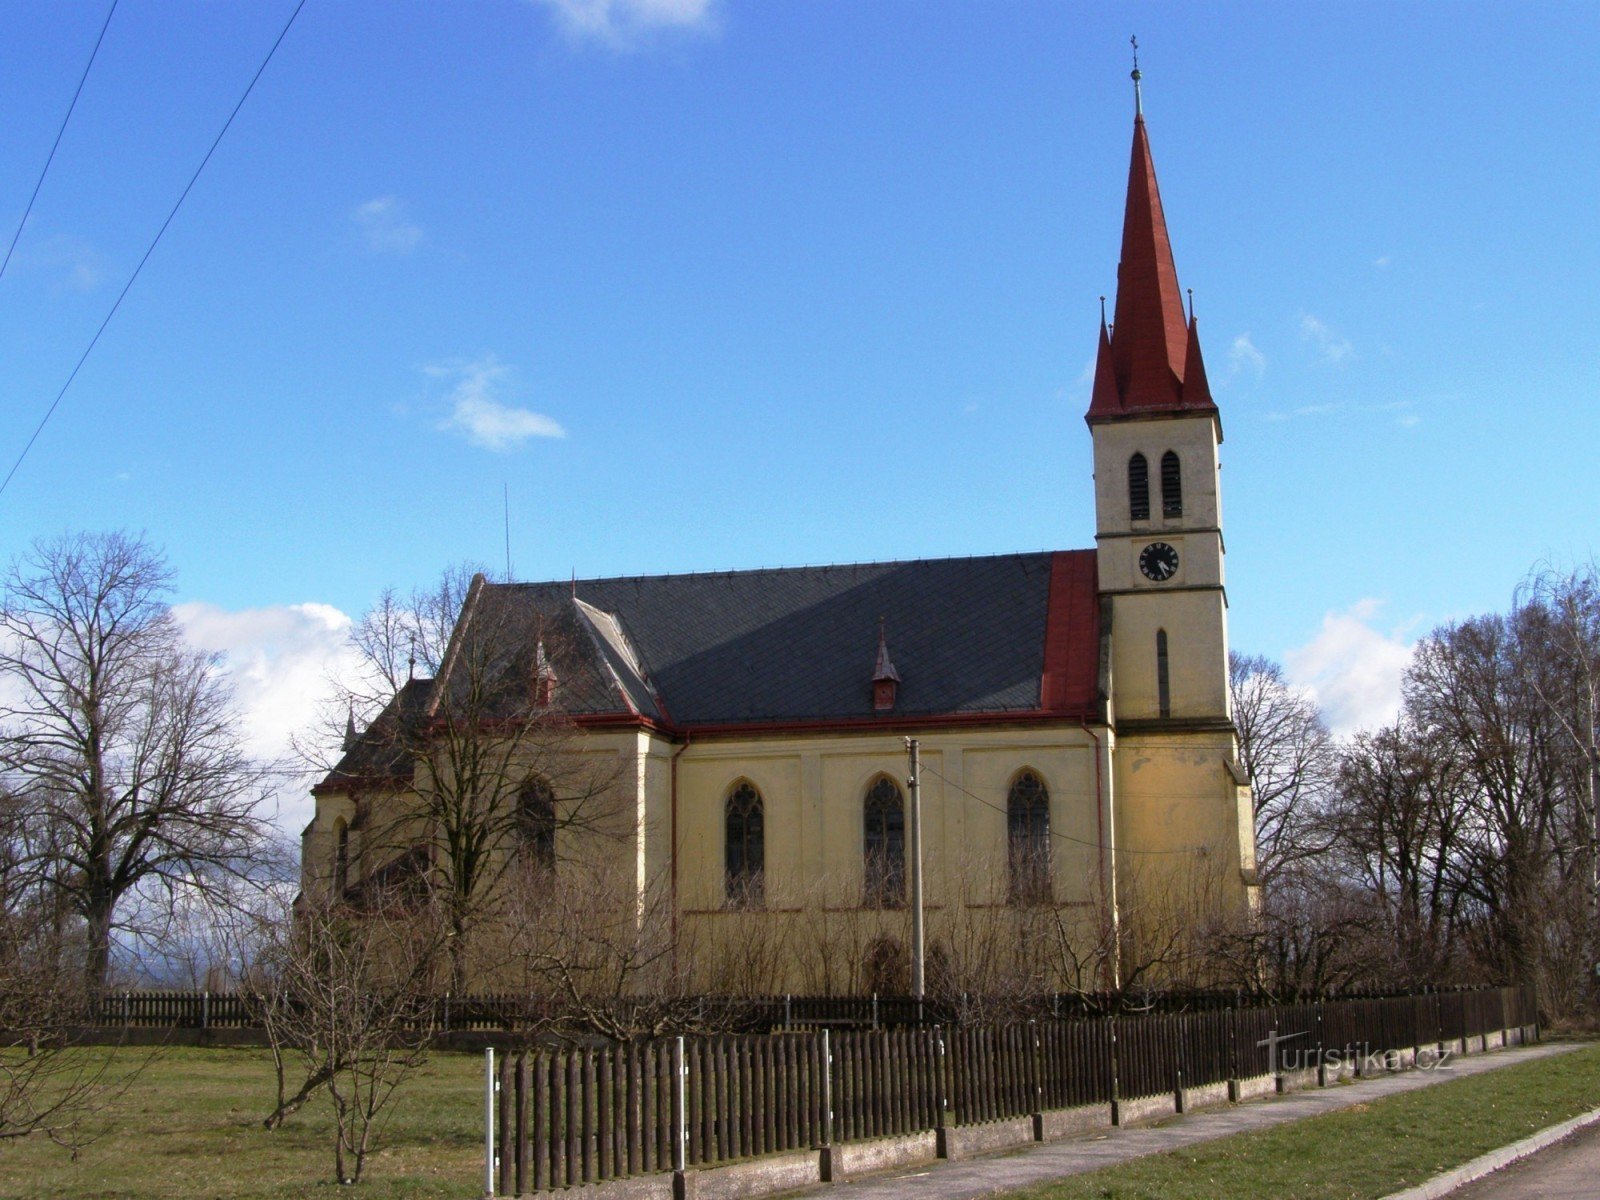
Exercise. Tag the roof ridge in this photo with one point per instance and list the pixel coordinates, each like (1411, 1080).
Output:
(881, 562)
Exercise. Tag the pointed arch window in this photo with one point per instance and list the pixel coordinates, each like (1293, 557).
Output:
(1028, 839)
(885, 845)
(341, 860)
(1171, 485)
(1138, 488)
(536, 824)
(1163, 681)
(746, 849)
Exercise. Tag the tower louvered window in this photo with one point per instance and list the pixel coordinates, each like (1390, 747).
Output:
(1171, 486)
(885, 846)
(1138, 488)
(746, 848)
(536, 824)
(1028, 840)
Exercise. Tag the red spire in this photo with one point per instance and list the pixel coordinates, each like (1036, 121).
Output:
(1196, 389)
(1150, 340)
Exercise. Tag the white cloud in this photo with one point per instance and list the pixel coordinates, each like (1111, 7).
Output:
(385, 226)
(1243, 357)
(619, 23)
(284, 664)
(1382, 262)
(1333, 347)
(1353, 668)
(478, 413)
(71, 264)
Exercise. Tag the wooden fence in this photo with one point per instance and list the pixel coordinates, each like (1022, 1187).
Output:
(505, 1012)
(577, 1115)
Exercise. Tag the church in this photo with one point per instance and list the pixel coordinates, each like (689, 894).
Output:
(1080, 795)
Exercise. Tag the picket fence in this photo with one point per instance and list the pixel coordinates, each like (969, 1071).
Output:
(585, 1114)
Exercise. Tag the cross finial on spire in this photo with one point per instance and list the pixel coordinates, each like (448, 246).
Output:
(1138, 100)
(1191, 304)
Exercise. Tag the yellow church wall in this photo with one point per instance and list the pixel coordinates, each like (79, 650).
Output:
(1197, 653)
(1183, 821)
(813, 790)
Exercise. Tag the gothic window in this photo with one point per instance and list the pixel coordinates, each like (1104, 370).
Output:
(1171, 486)
(1028, 839)
(341, 860)
(1163, 685)
(536, 824)
(745, 847)
(885, 845)
(1138, 488)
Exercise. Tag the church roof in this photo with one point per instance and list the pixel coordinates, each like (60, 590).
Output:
(1005, 634)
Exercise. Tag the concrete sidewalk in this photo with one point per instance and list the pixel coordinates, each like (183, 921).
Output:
(1046, 1161)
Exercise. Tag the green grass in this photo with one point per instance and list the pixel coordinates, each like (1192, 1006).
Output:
(190, 1125)
(1365, 1151)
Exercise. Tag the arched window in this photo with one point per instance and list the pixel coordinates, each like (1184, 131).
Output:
(341, 860)
(746, 849)
(1138, 488)
(1028, 839)
(536, 824)
(1163, 685)
(1171, 486)
(885, 845)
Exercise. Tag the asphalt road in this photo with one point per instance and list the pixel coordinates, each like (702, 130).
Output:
(1569, 1170)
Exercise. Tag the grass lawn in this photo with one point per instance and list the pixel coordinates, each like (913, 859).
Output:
(1365, 1151)
(190, 1125)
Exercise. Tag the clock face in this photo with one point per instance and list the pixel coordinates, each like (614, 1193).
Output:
(1158, 561)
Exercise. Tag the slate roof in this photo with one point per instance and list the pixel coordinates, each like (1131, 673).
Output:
(380, 752)
(1015, 633)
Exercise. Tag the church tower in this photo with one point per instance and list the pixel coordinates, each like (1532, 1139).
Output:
(1158, 516)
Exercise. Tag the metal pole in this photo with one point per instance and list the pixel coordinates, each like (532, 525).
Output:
(914, 783)
(488, 1121)
(680, 1107)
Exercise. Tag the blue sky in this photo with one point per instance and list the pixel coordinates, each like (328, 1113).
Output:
(718, 284)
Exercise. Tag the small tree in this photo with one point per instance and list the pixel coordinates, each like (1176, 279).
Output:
(344, 1000)
(118, 744)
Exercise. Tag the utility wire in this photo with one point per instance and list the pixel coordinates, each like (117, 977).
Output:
(56, 145)
(82, 358)
(1066, 837)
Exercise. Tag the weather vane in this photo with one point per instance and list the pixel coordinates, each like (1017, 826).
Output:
(1138, 100)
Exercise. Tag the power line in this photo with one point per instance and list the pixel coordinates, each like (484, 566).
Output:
(1066, 837)
(84, 357)
(55, 145)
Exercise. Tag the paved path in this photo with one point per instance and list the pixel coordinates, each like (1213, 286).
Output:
(1071, 1156)
(1569, 1170)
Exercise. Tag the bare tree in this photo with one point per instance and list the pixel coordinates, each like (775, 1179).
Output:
(1289, 759)
(118, 743)
(494, 764)
(1561, 612)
